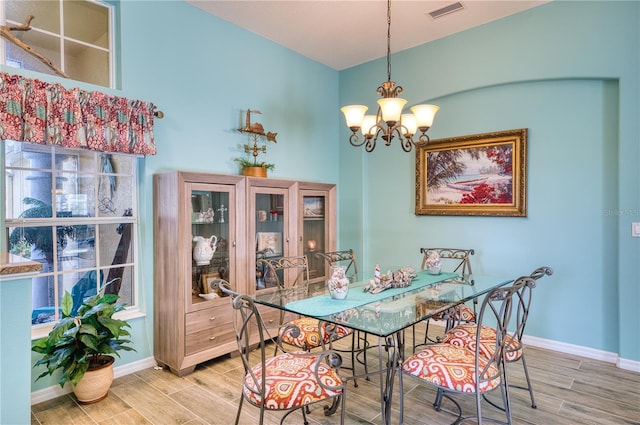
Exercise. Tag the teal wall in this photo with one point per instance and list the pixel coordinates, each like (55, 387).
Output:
(204, 73)
(567, 71)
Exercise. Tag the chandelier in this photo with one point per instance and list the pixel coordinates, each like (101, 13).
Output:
(389, 120)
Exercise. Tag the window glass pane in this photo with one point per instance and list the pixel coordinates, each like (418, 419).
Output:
(75, 197)
(27, 155)
(34, 242)
(28, 194)
(81, 285)
(78, 249)
(43, 299)
(87, 22)
(115, 194)
(120, 164)
(86, 63)
(46, 13)
(122, 279)
(115, 244)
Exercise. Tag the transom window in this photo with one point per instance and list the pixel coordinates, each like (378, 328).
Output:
(75, 35)
(75, 211)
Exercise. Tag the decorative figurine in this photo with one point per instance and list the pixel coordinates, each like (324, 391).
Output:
(399, 279)
(222, 209)
(434, 265)
(204, 249)
(338, 283)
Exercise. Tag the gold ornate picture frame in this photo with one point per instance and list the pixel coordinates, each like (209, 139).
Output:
(477, 175)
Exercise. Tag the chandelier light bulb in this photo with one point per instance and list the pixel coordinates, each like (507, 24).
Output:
(391, 108)
(408, 124)
(369, 125)
(354, 114)
(424, 114)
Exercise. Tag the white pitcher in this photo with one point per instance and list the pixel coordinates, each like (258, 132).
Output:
(204, 249)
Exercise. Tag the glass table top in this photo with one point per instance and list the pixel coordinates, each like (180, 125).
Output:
(384, 313)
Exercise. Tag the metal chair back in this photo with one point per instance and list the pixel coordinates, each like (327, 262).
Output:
(454, 260)
(346, 258)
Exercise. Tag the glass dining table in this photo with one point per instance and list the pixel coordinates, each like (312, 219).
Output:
(385, 314)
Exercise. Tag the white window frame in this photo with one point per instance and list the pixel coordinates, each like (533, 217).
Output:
(131, 310)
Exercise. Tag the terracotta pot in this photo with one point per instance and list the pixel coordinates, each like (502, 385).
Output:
(94, 385)
(254, 172)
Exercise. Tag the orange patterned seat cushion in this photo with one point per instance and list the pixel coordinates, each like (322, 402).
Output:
(466, 314)
(290, 381)
(465, 336)
(450, 367)
(310, 335)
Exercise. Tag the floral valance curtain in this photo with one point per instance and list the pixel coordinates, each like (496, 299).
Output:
(34, 111)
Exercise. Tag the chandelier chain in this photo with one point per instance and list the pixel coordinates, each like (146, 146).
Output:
(389, 40)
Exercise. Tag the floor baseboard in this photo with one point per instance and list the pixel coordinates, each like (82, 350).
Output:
(126, 369)
(581, 351)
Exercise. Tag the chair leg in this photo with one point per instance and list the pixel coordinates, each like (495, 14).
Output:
(529, 387)
(401, 389)
(437, 403)
(240, 409)
(354, 336)
(505, 394)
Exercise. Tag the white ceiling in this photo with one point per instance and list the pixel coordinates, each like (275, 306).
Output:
(342, 34)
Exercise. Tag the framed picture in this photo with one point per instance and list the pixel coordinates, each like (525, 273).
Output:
(269, 243)
(477, 175)
(209, 282)
(313, 206)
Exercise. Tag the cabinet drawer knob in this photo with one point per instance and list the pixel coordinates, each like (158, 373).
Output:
(212, 318)
(211, 338)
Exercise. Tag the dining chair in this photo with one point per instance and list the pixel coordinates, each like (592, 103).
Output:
(289, 381)
(466, 335)
(359, 343)
(463, 370)
(454, 260)
(293, 273)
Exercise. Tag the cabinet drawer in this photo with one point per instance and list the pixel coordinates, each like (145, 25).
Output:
(209, 338)
(215, 317)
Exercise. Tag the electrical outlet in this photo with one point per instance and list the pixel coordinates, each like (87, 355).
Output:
(635, 230)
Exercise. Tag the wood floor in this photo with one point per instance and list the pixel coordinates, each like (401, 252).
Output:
(569, 390)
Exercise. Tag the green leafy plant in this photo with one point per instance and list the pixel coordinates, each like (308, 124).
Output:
(77, 342)
(245, 163)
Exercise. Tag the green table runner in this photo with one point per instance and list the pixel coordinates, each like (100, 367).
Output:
(324, 305)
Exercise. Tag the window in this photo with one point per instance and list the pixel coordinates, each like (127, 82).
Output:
(76, 36)
(75, 212)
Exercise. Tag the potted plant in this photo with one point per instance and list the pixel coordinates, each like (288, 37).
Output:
(82, 345)
(256, 132)
(253, 168)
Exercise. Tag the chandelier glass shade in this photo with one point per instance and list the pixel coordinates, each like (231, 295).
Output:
(389, 121)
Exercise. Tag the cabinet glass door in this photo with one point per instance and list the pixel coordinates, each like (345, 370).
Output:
(314, 232)
(210, 234)
(270, 231)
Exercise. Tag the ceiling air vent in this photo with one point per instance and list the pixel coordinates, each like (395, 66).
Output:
(453, 7)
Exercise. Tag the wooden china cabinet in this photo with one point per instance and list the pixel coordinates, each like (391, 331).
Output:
(279, 226)
(250, 218)
(189, 329)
